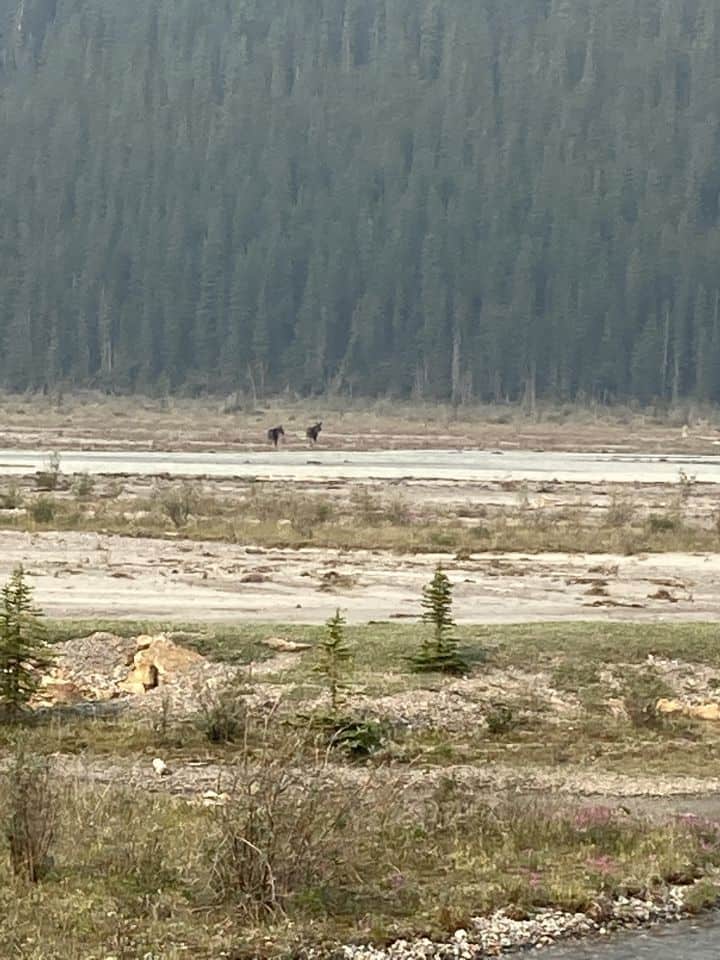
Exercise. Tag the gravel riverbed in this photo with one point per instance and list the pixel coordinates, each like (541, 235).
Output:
(500, 933)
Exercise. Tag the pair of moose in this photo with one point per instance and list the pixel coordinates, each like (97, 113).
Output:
(312, 433)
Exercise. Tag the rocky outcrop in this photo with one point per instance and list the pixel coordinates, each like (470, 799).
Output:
(104, 666)
(280, 645)
(695, 711)
(156, 661)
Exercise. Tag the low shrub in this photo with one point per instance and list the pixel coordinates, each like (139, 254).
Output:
(83, 486)
(179, 503)
(43, 509)
(223, 715)
(49, 477)
(30, 816)
(11, 498)
(663, 522)
(500, 718)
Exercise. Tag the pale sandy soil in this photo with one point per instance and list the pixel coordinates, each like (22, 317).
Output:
(91, 575)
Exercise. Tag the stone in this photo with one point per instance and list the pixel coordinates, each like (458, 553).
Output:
(706, 711)
(211, 798)
(156, 661)
(59, 692)
(695, 711)
(285, 646)
(160, 767)
(669, 706)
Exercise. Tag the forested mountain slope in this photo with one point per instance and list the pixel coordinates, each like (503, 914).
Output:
(459, 198)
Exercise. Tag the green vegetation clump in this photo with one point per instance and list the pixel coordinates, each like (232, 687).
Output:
(43, 510)
(222, 717)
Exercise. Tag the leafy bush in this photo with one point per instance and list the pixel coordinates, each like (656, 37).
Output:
(500, 719)
(355, 737)
(641, 693)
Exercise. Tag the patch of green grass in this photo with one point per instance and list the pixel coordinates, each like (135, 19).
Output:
(570, 656)
(572, 650)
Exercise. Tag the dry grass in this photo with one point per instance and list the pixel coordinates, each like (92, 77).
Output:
(360, 517)
(135, 874)
(172, 423)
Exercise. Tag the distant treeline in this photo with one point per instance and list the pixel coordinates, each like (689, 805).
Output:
(452, 199)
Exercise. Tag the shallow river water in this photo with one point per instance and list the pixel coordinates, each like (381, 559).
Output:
(682, 941)
(441, 465)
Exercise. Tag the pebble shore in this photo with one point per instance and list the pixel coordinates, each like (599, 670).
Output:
(498, 934)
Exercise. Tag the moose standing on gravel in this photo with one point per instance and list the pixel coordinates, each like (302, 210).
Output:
(274, 434)
(313, 432)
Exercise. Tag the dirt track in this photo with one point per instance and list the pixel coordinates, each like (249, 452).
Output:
(91, 575)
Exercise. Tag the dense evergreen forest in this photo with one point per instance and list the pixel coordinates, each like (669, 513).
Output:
(453, 199)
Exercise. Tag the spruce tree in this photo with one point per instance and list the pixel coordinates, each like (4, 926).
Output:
(24, 652)
(439, 648)
(334, 661)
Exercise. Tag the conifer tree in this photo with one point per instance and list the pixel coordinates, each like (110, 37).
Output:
(439, 648)
(334, 661)
(24, 652)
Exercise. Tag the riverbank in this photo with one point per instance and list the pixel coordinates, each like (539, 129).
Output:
(543, 797)
(503, 933)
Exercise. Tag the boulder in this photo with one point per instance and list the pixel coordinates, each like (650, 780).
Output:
(695, 711)
(285, 646)
(157, 661)
(60, 692)
(160, 767)
(670, 707)
(706, 711)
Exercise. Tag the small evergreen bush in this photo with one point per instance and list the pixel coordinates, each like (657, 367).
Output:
(335, 661)
(438, 652)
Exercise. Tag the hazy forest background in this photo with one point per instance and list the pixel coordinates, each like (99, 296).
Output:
(449, 199)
